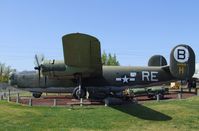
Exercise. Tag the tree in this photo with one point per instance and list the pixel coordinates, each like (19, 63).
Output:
(4, 72)
(104, 58)
(109, 59)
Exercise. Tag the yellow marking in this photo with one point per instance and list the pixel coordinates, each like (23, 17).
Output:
(182, 64)
(181, 70)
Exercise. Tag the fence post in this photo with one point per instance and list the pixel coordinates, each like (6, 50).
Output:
(8, 97)
(4, 95)
(158, 97)
(106, 102)
(87, 95)
(190, 89)
(135, 100)
(181, 90)
(81, 101)
(179, 95)
(30, 102)
(17, 99)
(197, 91)
(1, 97)
(55, 102)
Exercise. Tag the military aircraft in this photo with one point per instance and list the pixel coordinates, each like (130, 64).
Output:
(82, 71)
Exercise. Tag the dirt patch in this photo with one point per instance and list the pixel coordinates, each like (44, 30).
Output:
(67, 100)
(56, 100)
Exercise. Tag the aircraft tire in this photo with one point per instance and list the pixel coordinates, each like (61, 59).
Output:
(36, 94)
(76, 93)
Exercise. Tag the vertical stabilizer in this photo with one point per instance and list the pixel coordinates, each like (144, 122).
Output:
(182, 62)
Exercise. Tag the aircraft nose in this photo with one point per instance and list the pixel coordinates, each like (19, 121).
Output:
(12, 79)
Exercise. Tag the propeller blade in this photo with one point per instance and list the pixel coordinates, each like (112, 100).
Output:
(39, 59)
(36, 61)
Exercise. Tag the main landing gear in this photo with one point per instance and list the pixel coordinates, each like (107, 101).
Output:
(80, 91)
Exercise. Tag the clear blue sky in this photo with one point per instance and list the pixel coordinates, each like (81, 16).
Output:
(133, 29)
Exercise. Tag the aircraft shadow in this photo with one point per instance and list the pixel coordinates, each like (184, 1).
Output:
(142, 112)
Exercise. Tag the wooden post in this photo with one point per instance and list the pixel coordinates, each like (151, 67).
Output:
(55, 102)
(197, 91)
(106, 102)
(87, 95)
(30, 102)
(17, 99)
(135, 100)
(180, 92)
(179, 95)
(8, 97)
(81, 102)
(158, 97)
(9, 92)
(189, 90)
(4, 95)
(1, 97)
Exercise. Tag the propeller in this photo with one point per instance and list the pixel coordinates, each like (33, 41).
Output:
(39, 59)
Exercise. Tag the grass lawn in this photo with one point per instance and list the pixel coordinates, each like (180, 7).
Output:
(167, 115)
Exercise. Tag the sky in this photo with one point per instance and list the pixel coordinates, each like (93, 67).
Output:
(132, 29)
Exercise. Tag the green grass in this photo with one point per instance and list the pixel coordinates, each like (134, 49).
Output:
(168, 115)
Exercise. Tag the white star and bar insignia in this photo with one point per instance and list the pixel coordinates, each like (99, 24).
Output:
(125, 79)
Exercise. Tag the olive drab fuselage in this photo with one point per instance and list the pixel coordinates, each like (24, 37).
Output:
(119, 76)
